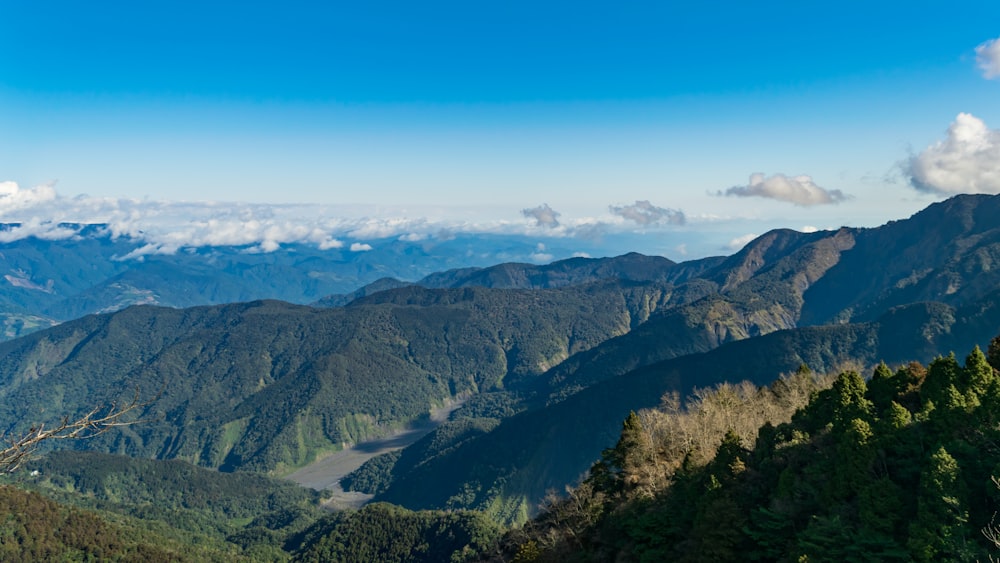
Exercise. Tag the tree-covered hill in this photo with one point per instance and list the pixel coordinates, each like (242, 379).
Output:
(903, 467)
(630, 267)
(218, 516)
(948, 252)
(36, 528)
(508, 470)
(90, 506)
(93, 506)
(269, 385)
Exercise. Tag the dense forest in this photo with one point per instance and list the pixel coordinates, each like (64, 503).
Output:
(902, 467)
(94, 506)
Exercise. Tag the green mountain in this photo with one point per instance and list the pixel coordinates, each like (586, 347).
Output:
(572, 271)
(94, 506)
(268, 385)
(508, 470)
(36, 528)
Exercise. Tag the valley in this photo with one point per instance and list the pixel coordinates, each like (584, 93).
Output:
(325, 474)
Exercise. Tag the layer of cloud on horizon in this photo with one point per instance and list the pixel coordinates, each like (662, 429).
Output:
(967, 160)
(799, 190)
(988, 58)
(166, 227)
(645, 213)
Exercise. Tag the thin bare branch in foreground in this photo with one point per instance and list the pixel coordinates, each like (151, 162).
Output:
(96, 422)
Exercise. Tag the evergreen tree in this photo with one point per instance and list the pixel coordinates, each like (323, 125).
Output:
(882, 387)
(976, 375)
(938, 531)
(943, 373)
(849, 400)
(993, 353)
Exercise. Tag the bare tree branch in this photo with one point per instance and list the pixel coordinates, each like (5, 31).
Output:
(18, 448)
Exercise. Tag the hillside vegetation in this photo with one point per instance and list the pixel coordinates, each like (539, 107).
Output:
(902, 467)
(114, 508)
(508, 471)
(269, 386)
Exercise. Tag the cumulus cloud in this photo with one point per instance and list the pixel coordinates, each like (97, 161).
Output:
(988, 58)
(800, 190)
(967, 160)
(739, 242)
(543, 215)
(360, 247)
(645, 213)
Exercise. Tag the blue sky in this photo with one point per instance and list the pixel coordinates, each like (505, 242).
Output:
(480, 113)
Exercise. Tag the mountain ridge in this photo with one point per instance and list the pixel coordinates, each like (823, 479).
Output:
(268, 386)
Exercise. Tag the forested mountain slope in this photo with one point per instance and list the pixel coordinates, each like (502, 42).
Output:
(508, 470)
(902, 467)
(572, 271)
(269, 385)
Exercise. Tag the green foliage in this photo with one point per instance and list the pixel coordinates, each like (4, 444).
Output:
(856, 476)
(168, 485)
(374, 476)
(269, 386)
(938, 532)
(33, 528)
(993, 353)
(236, 513)
(389, 534)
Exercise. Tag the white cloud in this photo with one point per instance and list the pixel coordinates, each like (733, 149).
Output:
(38, 229)
(645, 213)
(681, 249)
(165, 227)
(581, 255)
(543, 215)
(330, 243)
(988, 58)
(809, 229)
(799, 190)
(739, 242)
(539, 255)
(967, 160)
(360, 247)
(13, 197)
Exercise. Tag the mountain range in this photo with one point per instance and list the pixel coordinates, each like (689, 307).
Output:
(548, 359)
(46, 281)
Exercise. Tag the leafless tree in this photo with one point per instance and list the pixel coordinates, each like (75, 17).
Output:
(19, 447)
